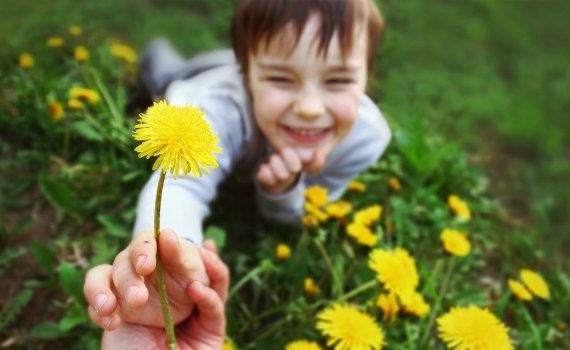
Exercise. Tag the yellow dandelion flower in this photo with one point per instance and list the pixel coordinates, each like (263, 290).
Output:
(124, 52)
(180, 136)
(74, 103)
(55, 42)
(316, 212)
(455, 242)
(473, 328)
(338, 210)
(310, 221)
(302, 345)
(362, 234)
(317, 195)
(369, 215)
(535, 283)
(26, 61)
(55, 109)
(310, 287)
(81, 54)
(282, 251)
(84, 95)
(459, 207)
(356, 186)
(519, 290)
(414, 303)
(348, 328)
(394, 184)
(227, 345)
(75, 30)
(388, 303)
(396, 269)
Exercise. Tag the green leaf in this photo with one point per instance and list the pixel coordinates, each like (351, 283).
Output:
(71, 280)
(113, 226)
(46, 330)
(59, 195)
(69, 322)
(87, 131)
(44, 256)
(218, 234)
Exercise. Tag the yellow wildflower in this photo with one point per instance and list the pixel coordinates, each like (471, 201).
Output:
(388, 303)
(84, 94)
(310, 221)
(310, 287)
(124, 52)
(338, 210)
(26, 61)
(459, 207)
(348, 328)
(55, 42)
(369, 215)
(317, 195)
(362, 234)
(519, 290)
(74, 103)
(180, 136)
(473, 328)
(394, 184)
(535, 283)
(455, 242)
(315, 211)
(302, 345)
(356, 186)
(81, 54)
(396, 269)
(414, 303)
(75, 30)
(227, 345)
(282, 251)
(55, 109)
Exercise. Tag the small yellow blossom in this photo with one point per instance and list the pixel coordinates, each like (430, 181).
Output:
(75, 30)
(348, 328)
(414, 303)
(362, 234)
(338, 210)
(369, 215)
(310, 221)
(394, 184)
(55, 109)
(84, 94)
(302, 345)
(388, 303)
(81, 54)
(26, 61)
(535, 283)
(356, 186)
(455, 242)
(282, 251)
(310, 287)
(74, 103)
(519, 290)
(317, 195)
(124, 52)
(55, 42)
(396, 269)
(315, 211)
(459, 207)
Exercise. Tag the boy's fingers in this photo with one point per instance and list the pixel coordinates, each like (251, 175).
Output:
(292, 160)
(210, 245)
(318, 161)
(130, 286)
(278, 167)
(181, 258)
(265, 176)
(210, 308)
(218, 272)
(98, 290)
(142, 252)
(108, 322)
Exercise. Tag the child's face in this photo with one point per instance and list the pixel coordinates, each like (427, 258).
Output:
(302, 98)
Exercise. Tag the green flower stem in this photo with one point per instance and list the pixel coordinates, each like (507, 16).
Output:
(168, 323)
(329, 265)
(252, 274)
(437, 304)
(534, 330)
(360, 289)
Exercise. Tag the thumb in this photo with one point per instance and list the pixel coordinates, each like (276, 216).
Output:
(317, 162)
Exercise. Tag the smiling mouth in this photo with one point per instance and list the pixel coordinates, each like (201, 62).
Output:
(307, 135)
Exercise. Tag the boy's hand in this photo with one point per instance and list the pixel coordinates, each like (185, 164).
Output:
(127, 290)
(283, 169)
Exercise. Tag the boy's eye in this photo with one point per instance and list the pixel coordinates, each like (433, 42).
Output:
(338, 81)
(280, 80)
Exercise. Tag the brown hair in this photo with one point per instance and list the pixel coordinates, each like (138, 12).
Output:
(255, 21)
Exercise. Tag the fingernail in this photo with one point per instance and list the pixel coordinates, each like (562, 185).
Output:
(140, 262)
(105, 321)
(100, 300)
(132, 293)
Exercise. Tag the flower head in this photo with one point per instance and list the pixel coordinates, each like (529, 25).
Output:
(74, 103)
(83, 94)
(362, 234)
(26, 61)
(535, 283)
(180, 136)
(388, 303)
(519, 290)
(317, 195)
(348, 328)
(55, 109)
(338, 210)
(55, 42)
(459, 207)
(396, 269)
(316, 212)
(356, 186)
(394, 184)
(81, 54)
(473, 328)
(369, 215)
(310, 287)
(302, 345)
(282, 251)
(310, 220)
(124, 52)
(75, 30)
(414, 303)
(455, 242)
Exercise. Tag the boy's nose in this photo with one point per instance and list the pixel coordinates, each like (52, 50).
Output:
(308, 104)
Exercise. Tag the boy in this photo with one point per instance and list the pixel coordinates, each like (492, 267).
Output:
(291, 114)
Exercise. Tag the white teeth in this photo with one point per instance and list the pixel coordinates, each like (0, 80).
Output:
(306, 131)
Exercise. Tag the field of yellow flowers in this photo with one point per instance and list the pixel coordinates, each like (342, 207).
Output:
(422, 252)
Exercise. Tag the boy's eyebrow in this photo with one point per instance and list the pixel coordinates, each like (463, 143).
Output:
(343, 68)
